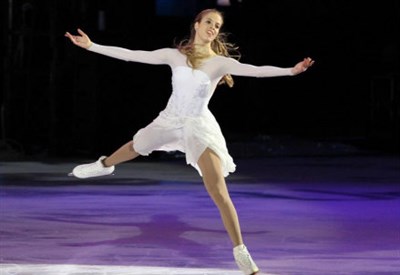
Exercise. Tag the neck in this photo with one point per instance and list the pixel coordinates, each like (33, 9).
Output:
(203, 49)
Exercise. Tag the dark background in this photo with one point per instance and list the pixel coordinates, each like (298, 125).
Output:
(58, 100)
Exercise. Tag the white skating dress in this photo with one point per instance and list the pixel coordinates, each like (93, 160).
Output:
(186, 124)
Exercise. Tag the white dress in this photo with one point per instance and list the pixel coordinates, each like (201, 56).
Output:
(186, 124)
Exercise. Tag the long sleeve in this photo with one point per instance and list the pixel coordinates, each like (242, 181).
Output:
(234, 67)
(156, 57)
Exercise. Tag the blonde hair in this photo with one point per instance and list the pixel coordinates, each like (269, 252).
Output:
(219, 45)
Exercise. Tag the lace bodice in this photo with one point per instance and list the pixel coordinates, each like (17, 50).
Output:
(191, 92)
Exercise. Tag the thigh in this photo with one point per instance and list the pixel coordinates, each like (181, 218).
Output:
(210, 166)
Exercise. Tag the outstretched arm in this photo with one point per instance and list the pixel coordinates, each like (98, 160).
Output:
(150, 57)
(234, 67)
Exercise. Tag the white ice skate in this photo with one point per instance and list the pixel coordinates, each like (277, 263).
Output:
(244, 260)
(95, 169)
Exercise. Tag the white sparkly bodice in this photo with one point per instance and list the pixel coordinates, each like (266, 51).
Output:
(191, 92)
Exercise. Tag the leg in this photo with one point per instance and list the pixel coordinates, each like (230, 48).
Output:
(145, 141)
(124, 153)
(214, 182)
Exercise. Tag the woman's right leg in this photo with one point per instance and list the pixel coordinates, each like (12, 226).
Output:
(125, 153)
(146, 140)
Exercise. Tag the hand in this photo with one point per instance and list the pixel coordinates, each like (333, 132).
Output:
(81, 40)
(302, 66)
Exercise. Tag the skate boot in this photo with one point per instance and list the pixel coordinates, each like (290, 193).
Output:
(95, 169)
(244, 260)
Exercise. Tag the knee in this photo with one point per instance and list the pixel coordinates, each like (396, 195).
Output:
(220, 198)
(140, 146)
(141, 150)
(219, 195)
(130, 146)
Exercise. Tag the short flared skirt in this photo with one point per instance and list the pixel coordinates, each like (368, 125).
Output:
(190, 135)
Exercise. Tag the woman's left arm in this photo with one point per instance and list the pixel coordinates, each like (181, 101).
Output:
(234, 67)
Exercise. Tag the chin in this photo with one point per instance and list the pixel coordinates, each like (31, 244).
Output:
(209, 39)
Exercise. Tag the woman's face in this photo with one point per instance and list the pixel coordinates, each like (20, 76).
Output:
(208, 27)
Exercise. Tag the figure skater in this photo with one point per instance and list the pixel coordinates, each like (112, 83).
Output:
(198, 65)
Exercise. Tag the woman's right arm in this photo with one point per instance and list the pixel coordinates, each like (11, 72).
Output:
(150, 57)
(159, 56)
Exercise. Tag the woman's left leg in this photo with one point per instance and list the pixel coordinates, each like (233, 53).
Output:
(214, 182)
(210, 166)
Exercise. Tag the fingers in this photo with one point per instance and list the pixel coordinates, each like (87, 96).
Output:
(81, 39)
(71, 37)
(308, 62)
(67, 34)
(82, 33)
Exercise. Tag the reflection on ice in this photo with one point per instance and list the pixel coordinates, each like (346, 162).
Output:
(65, 269)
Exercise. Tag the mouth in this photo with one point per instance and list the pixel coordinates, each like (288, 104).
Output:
(211, 33)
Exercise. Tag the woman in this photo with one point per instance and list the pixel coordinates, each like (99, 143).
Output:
(198, 65)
